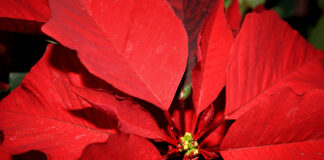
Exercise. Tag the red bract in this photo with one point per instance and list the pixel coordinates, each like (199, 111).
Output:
(111, 99)
(25, 16)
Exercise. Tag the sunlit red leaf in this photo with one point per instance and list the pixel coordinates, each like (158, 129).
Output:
(141, 45)
(268, 54)
(122, 147)
(43, 113)
(208, 76)
(284, 126)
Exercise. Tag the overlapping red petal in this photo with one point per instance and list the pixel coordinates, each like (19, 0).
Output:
(143, 53)
(132, 117)
(284, 126)
(24, 16)
(234, 15)
(268, 54)
(121, 147)
(43, 113)
(208, 76)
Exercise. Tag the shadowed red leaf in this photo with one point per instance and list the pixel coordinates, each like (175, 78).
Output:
(132, 117)
(122, 147)
(37, 114)
(31, 10)
(193, 15)
(24, 16)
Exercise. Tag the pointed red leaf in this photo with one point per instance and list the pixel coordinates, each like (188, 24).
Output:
(44, 114)
(122, 147)
(141, 45)
(258, 9)
(23, 15)
(133, 118)
(234, 15)
(194, 15)
(208, 76)
(284, 126)
(4, 86)
(268, 54)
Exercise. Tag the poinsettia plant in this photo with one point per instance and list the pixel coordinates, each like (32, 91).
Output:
(118, 83)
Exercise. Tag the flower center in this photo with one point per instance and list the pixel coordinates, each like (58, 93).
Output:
(188, 145)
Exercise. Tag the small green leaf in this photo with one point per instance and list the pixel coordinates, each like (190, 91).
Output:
(253, 3)
(51, 41)
(246, 4)
(185, 92)
(317, 34)
(227, 3)
(15, 79)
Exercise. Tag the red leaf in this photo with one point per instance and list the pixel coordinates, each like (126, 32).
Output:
(40, 113)
(177, 6)
(214, 139)
(234, 15)
(208, 76)
(132, 117)
(20, 26)
(122, 147)
(284, 126)
(194, 15)
(24, 16)
(268, 54)
(31, 10)
(258, 9)
(141, 45)
(4, 156)
(4, 86)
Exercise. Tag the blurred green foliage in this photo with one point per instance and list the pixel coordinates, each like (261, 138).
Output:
(285, 8)
(15, 79)
(316, 36)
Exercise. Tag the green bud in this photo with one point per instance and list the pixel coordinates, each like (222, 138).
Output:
(185, 92)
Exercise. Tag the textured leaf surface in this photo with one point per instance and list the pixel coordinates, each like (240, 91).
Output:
(194, 16)
(208, 76)
(121, 147)
(132, 117)
(32, 10)
(44, 114)
(268, 54)
(141, 45)
(284, 126)
(24, 16)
